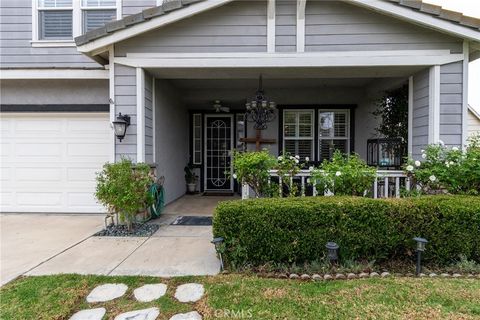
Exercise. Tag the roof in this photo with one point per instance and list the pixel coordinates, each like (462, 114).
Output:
(475, 112)
(169, 6)
(441, 13)
(147, 14)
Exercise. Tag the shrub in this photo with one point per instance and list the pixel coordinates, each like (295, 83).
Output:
(122, 187)
(287, 230)
(288, 166)
(450, 169)
(252, 168)
(344, 175)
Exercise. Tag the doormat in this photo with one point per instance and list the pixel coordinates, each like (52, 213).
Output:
(217, 193)
(192, 221)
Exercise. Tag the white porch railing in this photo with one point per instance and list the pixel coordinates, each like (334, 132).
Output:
(387, 184)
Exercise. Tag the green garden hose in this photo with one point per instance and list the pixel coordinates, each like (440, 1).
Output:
(158, 194)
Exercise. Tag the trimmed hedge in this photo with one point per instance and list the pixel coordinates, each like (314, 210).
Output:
(258, 231)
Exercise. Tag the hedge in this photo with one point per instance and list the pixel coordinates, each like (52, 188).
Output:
(259, 231)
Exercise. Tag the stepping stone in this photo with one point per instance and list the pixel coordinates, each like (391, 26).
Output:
(194, 315)
(150, 292)
(107, 292)
(144, 314)
(90, 314)
(189, 292)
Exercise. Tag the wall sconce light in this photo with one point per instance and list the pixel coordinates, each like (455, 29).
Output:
(217, 242)
(120, 126)
(332, 249)
(421, 242)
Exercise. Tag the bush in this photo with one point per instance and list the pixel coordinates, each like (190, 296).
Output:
(252, 168)
(449, 169)
(287, 230)
(122, 187)
(344, 175)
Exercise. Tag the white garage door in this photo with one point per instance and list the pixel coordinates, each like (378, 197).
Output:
(48, 161)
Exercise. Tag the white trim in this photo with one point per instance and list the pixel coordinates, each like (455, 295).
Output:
(53, 74)
(35, 21)
(232, 138)
(151, 24)
(410, 116)
(52, 43)
(466, 59)
(77, 18)
(271, 16)
(288, 60)
(301, 25)
(111, 87)
(140, 115)
(154, 120)
(119, 9)
(434, 105)
(424, 19)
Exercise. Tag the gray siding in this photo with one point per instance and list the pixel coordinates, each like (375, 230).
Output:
(240, 26)
(148, 118)
(337, 26)
(473, 124)
(286, 26)
(35, 92)
(171, 131)
(421, 87)
(16, 50)
(135, 6)
(126, 103)
(451, 104)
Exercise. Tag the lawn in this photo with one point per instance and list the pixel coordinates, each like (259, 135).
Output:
(234, 296)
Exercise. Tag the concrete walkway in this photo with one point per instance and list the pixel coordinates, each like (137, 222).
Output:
(53, 244)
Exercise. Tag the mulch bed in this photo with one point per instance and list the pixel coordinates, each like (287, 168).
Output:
(138, 230)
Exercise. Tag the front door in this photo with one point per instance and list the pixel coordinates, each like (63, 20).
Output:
(218, 146)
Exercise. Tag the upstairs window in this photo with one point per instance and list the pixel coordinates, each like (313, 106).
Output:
(55, 19)
(97, 13)
(57, 22)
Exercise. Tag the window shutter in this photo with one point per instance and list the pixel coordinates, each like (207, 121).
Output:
(93, 19)
(56, 24)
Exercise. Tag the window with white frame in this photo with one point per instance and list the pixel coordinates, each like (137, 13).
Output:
(298, 128)
(333, 132)
(62, 20)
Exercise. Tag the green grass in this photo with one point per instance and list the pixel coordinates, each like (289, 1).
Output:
(233, 296)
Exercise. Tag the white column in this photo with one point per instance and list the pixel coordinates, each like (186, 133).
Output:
(434, 105)
(140, 115)
(111, 73)
(271, 26)
(410, 116)
(301, 25)
(466, 59)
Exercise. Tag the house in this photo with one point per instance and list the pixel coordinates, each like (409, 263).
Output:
(66, 76)
(473, 121)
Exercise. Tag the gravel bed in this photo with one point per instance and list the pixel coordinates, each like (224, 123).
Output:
(138, 230)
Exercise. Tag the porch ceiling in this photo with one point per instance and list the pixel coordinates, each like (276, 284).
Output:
(286, 73)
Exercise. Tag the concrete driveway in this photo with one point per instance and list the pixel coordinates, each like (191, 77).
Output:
(40, 244)
(27, 240)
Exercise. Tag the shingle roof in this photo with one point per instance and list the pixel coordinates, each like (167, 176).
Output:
(147, 14)
(172, 5)
(441, 13)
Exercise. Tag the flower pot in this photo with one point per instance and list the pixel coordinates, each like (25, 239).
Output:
(191, 187)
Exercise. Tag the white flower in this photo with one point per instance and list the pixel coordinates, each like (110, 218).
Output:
(297, 157)
(310, 169)
(280, 158)
(422, 151)
(451, 163)
(432, 178)
(440, 142)
(424, 155)
(234, 176)
(308, 180)
(409, 168)
(338, 173)
(297, 161)
(307, 159)
(446, 164)
(417, 163)
(455, 148)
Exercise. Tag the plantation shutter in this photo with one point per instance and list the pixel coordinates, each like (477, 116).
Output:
(333, 132)
(56, 24)
(298, 133)
(93, 19)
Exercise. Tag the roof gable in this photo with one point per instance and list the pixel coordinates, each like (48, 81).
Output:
(412, 11)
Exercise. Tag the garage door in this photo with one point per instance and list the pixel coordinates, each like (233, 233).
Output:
(48, 161)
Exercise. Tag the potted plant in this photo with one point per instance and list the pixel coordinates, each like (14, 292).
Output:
(190, 179)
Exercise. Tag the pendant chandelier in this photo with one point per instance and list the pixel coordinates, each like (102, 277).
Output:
(260, 110)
